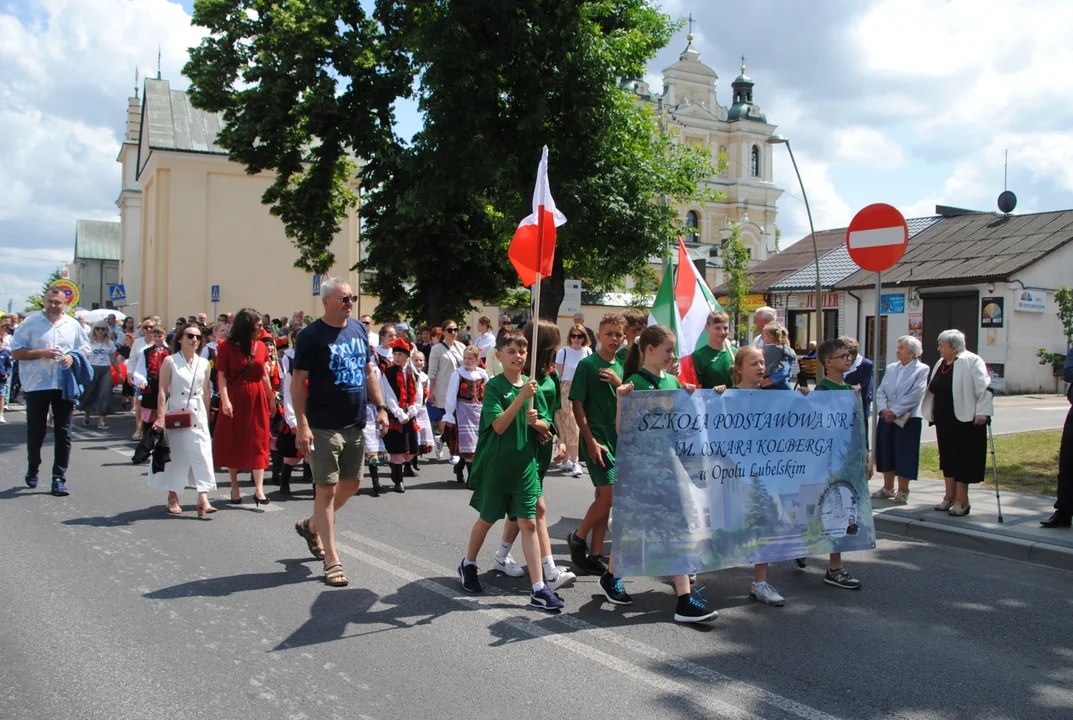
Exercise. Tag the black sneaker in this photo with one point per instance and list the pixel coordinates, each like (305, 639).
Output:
(801, 563)
(692, 608)
(596, 564)
(59, 487)
(614, 591)
(468, 575)
(841, 578)
(545, 599)
(31, 480)
(579, 553)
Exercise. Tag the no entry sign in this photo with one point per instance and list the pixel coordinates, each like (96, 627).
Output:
(877, 237)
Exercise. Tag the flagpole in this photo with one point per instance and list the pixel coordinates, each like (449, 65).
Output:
(534, 319)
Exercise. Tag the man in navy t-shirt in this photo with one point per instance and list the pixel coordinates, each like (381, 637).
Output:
(334, 356)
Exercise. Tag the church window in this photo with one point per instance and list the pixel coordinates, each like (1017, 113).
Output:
(693, 223)
(755, 162)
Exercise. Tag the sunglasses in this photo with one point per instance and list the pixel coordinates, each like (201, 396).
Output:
(100, 329)
(450, 330)
(193, 336)
(348, 298)
(366, 323)
(574, 336)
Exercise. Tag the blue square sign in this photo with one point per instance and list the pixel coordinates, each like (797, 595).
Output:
(117, 292)
(215, 293)
(316, 286)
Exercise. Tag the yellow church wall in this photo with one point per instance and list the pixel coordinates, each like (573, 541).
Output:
(204, 224)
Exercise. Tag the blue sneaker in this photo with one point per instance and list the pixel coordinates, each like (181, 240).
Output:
(545, 599)
(692, 608)
(31, 480)
(59, 488)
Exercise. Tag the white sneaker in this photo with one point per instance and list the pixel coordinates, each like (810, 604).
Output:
(569, 467)
(766, 594)
(3, 421)
(577, 471)
(508, 567)
(439, 448)
(563, 577)
(454, 459)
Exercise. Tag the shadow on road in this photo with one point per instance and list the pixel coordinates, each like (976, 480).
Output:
(294, 571)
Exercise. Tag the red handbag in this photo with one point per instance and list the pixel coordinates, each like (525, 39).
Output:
(183, 418)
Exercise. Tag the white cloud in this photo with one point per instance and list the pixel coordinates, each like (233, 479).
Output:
(829, 209)
(65, 74)
(867, 146)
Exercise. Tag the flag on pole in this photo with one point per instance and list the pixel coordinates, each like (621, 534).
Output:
(683, 303)
(532, 250)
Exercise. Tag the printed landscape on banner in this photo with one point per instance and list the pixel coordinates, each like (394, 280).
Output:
(708, 481)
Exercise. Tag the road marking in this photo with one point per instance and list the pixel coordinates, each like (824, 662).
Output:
(744, 693)
(1049, 407)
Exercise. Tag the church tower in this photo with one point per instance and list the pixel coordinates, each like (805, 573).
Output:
(129, 203)
(689, 111)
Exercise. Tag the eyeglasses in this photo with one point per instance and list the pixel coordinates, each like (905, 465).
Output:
(348, 299)
(367, 323)
(451, 330)
(193, 336)
(575, 336)
(843, 356)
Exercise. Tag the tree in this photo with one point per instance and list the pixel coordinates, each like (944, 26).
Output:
(778, 239)
(498, 81)
(761, 512)
(736, 262)
(306, 87)
(1063, 298)
(37, 300)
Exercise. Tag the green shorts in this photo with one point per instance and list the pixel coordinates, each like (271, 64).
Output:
(602, 476)
(337, 455)
(494, 506)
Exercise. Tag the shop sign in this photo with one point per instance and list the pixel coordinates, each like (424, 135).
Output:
(1031, 301)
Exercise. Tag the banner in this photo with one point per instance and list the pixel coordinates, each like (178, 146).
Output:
(709, 481)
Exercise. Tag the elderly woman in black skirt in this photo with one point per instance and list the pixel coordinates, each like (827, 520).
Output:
(959, 404)
(898, 439)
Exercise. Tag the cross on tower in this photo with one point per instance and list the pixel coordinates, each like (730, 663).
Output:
(743, 63)
(690, 23)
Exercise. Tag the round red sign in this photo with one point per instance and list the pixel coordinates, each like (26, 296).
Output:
(877, 237)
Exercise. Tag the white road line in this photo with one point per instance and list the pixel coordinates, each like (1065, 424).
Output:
(744, 693)
(1049, 407)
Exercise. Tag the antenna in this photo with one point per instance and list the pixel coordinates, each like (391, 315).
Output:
(135, 81)
(158, 62)
(1007, 201)
(1005, 169)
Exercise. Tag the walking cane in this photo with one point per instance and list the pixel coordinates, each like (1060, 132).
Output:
(994, 462)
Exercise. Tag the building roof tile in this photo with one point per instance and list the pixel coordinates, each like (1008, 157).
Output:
(97, 240)
(173, 123)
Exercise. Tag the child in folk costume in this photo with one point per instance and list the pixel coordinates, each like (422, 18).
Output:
(375, 452)
(402, 395)
(147, 376)
(462, 419)
(426, 441)
(275, 406)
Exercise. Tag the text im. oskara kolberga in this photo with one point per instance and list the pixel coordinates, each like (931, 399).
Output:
(733, 444)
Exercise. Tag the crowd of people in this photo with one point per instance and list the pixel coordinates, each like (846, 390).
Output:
(329, 398)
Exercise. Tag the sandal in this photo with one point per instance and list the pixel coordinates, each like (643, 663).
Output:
(333, 575)
(944, 505)
(883, 494)
(312, 539)
(901, 498)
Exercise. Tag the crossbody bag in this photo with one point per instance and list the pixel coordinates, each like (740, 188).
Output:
(183, 418)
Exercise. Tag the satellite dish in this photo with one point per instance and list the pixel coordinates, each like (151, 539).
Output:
(1007, 201)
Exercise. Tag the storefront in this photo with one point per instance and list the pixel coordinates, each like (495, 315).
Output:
(798, 312)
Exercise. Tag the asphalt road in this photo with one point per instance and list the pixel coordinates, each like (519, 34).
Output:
(1020, 413)
(109, 608)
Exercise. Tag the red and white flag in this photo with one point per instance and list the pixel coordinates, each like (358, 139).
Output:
(532, 251)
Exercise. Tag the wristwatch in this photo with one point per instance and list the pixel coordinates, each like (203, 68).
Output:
(382, 407)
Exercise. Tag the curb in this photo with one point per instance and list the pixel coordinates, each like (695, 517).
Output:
(1012, 548)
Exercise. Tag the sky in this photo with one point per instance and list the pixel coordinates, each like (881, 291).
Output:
(909, 102)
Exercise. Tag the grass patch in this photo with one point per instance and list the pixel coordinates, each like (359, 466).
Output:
(1027, 462)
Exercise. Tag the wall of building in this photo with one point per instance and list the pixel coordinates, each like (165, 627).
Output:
(93, 278)
(203, 224)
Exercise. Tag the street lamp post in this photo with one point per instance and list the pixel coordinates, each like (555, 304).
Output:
(783, 140)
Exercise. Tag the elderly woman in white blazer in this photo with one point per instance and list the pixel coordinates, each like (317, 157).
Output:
(898, 432)
(959, 404)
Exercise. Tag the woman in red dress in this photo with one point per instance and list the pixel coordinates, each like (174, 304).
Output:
(241, 439)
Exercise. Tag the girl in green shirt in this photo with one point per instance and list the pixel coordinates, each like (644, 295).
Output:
(654, 351)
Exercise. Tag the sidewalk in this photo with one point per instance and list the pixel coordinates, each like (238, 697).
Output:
(1019, 537)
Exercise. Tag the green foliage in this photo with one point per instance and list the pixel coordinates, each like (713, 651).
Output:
(644, 287)
(305, 87)
(761, 512)
(1063, 298)
(37, 300)
(1055, 360)
(736, 263)
(517, 299)
(778, 238)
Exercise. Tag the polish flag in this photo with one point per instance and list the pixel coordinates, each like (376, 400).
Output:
(684, 307)
(532, 250)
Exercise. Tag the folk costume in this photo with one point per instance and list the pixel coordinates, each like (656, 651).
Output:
(147, 379)
(402, 395)
(375, 452)
(462, 419)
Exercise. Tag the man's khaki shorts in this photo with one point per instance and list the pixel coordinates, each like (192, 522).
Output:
(337, 454)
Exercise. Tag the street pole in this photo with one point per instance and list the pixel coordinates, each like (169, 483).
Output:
(877, 362)
(782, 140)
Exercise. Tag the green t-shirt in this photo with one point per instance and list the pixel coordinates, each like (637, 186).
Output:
(599, 399)
(549, 390)
(622, 353)
(506, 463)
(714, 367)
(826, 384)
(643, 380)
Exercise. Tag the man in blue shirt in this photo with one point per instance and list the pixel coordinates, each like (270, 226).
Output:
(334, 356)
(42, 345)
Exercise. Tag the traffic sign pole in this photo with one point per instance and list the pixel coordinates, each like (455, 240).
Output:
(876, 363)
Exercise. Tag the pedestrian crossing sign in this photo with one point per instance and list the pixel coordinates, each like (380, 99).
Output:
(215, 293)
(117, 292)
(316, 286)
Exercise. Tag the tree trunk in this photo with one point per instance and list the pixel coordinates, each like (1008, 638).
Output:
(552, 292)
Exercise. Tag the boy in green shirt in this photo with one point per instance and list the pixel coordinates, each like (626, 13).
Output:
(504, 476)
(636, 322)
(714, 363)
(835, 357)
(593, 400)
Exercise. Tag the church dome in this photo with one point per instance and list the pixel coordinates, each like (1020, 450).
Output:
(743, 107)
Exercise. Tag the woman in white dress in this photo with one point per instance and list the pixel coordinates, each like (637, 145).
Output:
(566, 360)
(184, 385)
